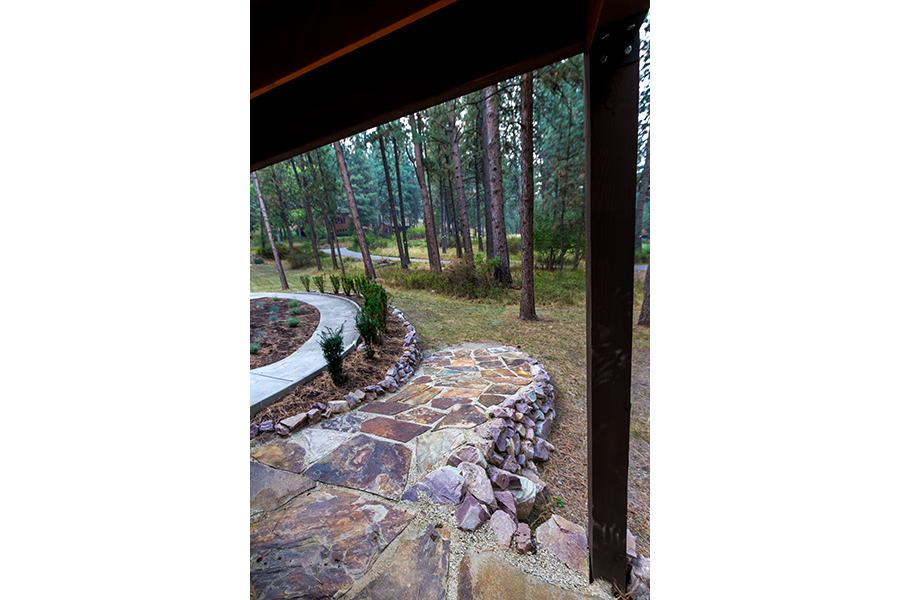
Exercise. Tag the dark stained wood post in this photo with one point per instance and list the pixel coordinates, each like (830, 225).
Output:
(611, 80)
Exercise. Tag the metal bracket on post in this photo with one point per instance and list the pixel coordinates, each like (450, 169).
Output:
(619, 43)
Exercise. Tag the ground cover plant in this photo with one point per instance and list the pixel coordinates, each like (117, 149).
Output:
(558, 342)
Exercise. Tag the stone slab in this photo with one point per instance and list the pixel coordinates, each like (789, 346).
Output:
(502, 389)
(463, 415)
(487, 576)
(402, 431)
(567, 540)
(489, 399)
(432, 449)
(422, 397)
(416, 572)
(365, 463)
(421, 415)
(409, 391)
(386, 407)
(281, 454)
(319, 544)
(270, 488)
(460, 393)
(445, 402)
(348, 423)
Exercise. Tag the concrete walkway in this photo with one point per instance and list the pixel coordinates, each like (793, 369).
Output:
(269, 383)
(361, 505)
(347, 253)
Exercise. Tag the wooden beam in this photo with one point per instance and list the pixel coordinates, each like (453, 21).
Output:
(611, 125)
(290, 38)
(399, 73)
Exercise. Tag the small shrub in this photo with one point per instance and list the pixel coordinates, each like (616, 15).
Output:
(299, 259)
(273, 318)
(267, 251)
(274, 308)
(258, 261)
(368, 331)
(304, 279)
(335, 283)
(332, 344)
(292, 322)
(293, 303)
(347, 284)
(319, 280)
(296, 311)
(254, 348)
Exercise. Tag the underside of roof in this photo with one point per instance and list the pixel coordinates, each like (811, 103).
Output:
(322, 70)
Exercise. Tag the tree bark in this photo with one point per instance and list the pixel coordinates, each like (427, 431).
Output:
(492, 118)
(434, 257)
(526, 200)
(387, 178)
(642, 195)
(329, 219)
(265, 216)
(282, 209)
(644, 319)
(309, 218)
(462, 210)
(486, 165)
(354, 212)
(400, 200)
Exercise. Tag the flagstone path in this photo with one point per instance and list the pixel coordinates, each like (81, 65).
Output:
(327, 519)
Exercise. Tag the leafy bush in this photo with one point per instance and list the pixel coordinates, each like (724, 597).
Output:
(292, 322)
(514, 244)
(254, 348)
(415, 233)
(300, 258)
(293, 303)
(296, 311)
(347, 284)
(374, 302)
(258, 261)
(267, 251)
(642, 257)
(371, 242)
(304, 279)
(319, 280)
(332, 344)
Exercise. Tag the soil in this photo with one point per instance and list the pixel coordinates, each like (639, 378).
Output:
(276, 340)
(361, 372)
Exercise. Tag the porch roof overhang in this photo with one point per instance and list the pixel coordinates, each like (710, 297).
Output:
(322, 70)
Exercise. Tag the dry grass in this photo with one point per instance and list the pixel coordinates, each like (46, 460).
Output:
(558, 342)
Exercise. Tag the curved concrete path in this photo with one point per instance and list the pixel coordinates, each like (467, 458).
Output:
(269, 383)
(347, 253)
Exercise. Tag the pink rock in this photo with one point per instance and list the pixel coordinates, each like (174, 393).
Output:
(267, 425)
(282, 430)
(504, 527)
(254, 430)
(294, 422)
(533, 477)
(471, 514)
(477, 483)
(566, 540)
(314, 416)
(507, 503)
(523, 539)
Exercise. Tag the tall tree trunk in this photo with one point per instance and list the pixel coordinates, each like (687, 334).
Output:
(526, 200)
(329, 237)
(306, 206)
(580, 235)
(329, 219)
(265, 216)
(405, 249)
(443, 202)
(644, 319)
(501, 271)
(434, 257)
(387, 178)
(462, 212)
(282, 209)
(642, 195)
(562, 217)
(486, 166)
(454, 218)
(360, 235)
(478, 210)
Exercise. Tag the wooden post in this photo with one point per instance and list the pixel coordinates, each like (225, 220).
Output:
(611, 80)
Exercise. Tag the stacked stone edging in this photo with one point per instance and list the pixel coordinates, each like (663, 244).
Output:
(398, 373)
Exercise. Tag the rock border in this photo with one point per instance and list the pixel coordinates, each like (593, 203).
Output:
(398, 373)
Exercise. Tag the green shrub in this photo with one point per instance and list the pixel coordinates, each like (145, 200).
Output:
(254, 348)
(267, 251)
(335, 283)
(300, 258)
(375, 303)
(642, 257)
(319, 280)
(304, 279)
(258, 261)
(347, 284)
(514, 244)
(293, 303)
(415, 233)
(332, 344)
(368, 331)
(292, 322)
(296, 311)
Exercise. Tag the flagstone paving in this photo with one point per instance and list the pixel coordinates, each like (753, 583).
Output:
(326, 500)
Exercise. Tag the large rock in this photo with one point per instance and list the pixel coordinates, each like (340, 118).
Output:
(504, 527)
(319, 544)
(417, 569)
(270, 488)
(281, 454)
(444, 486)
(471, 514)
(523, 539)
(506, 503)
(477, 483)
(365, 463)
(524, 497)
(567, 540)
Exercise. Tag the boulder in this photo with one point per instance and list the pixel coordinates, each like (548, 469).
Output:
(444, 486)
(524, 497)
(477, 483)
(523, 539)
(567, 540)
(504, 527)
(506, 503)
(471, 514)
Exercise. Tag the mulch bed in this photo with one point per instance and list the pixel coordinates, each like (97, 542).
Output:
(360, 370)
(276, 340)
